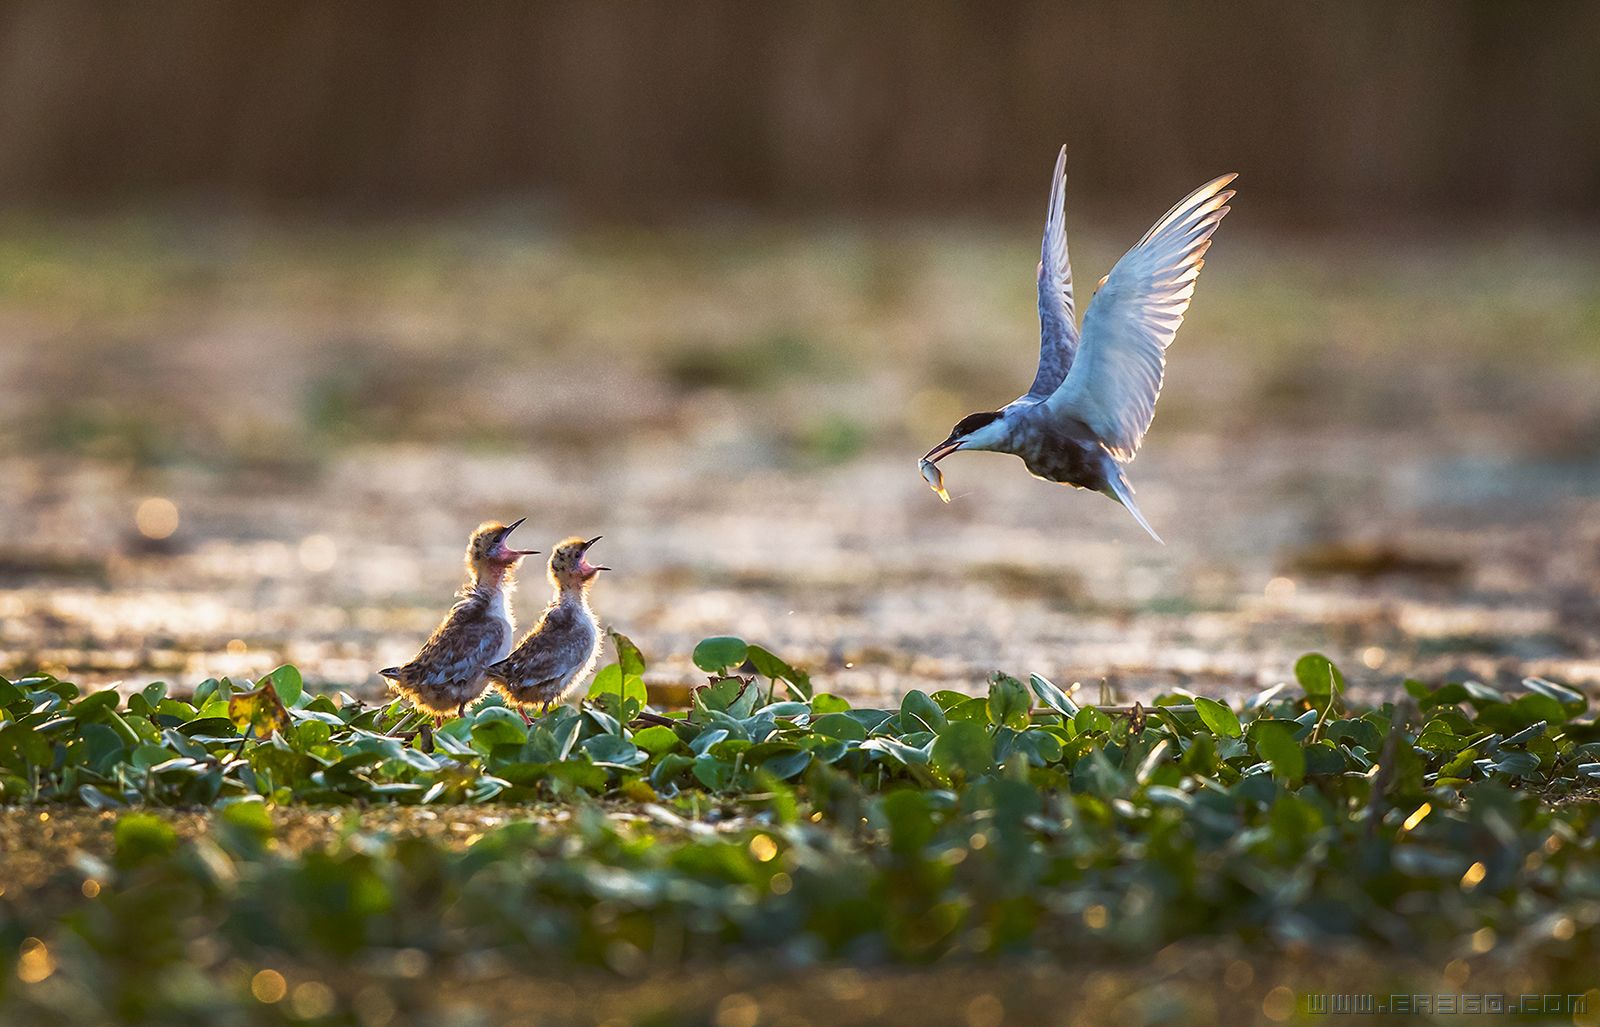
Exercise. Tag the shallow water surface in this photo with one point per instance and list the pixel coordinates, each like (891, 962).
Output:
(232, 448)
(857, 571)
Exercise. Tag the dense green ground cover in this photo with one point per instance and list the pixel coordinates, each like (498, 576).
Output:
(774, 823)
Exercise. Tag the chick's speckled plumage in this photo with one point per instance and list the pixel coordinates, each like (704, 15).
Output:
(448, 672)
(560, 650)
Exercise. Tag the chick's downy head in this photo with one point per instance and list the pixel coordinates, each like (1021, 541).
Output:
(487, 550)
(569, 563)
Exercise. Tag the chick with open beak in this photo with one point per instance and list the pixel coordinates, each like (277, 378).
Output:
(448, 672)
(560, 651)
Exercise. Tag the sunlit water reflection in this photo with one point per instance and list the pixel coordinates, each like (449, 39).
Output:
(856, 571)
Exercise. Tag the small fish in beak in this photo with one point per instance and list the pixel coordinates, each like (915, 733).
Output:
(934, 477)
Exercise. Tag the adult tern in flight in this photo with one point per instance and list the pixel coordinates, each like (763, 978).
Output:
(1092, 400)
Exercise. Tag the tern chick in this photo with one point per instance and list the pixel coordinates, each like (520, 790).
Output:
(448, 672)
(1095, 392)
(560, 650)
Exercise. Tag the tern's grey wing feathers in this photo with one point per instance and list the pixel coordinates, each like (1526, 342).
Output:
(1122, 492)
(459, 648)
(1117, 373)
(1058, 321)
(543, 653)
(528, 666)
(553, 657)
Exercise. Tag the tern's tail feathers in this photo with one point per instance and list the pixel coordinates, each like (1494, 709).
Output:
(1122, 492)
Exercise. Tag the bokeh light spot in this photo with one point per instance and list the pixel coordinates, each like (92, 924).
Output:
(156, 517)
(318, 553)
(1278, 1005)
(985, 1010)
(34, 963)
(312, 1000)
(737, 1010)
(268, 986)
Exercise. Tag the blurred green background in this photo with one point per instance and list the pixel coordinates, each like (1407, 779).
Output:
(294, 295)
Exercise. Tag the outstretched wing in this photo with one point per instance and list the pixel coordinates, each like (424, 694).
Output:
(1058, 321)
(1116, 377)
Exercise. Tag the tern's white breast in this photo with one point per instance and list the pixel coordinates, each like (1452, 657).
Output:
(500, 609)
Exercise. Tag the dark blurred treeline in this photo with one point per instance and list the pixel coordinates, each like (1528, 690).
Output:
(1330, 110)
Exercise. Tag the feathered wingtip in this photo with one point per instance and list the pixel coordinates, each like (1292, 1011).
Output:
(1122, 492)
